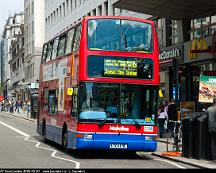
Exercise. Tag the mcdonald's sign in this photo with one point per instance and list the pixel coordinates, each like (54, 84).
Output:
(198, 46)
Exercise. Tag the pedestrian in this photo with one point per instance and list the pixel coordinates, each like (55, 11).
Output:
(18, 105)
(172, 114)
(24, 106)
(212, 128)
(28, 104)
(1, 105)
(162, 116)
(11, 106)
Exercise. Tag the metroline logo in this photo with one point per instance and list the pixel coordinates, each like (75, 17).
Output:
(148, 129)
(122, 128)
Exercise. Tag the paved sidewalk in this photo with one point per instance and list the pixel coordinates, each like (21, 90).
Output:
(205, 164)
(22, 115)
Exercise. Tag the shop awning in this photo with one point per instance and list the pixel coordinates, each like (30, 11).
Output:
(171, 9)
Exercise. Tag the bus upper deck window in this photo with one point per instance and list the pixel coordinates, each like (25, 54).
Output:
(77, 38)
(69, 41)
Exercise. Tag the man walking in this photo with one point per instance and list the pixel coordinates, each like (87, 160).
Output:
(172, 114)
(212, 127)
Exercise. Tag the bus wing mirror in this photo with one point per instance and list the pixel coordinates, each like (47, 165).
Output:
(70, 91)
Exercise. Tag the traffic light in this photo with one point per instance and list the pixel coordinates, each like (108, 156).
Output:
(174, 63)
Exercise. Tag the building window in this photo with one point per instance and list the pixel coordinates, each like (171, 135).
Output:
(60, 12)
(106, 8)
(201, 27)
(67, 7)
(57, 15)
(94, 12)
(100, 10)
(71, 3)
(32, 7)
(63, 10)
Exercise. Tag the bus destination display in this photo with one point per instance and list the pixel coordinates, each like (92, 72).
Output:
(115, 67)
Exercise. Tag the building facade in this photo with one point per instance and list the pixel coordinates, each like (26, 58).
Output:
(60, 14)
(187, 50)
(11, 30)
(34, 39)
(17, 65)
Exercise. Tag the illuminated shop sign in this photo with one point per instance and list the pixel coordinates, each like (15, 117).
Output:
(169, 54)
(209, 73)
(198, 46)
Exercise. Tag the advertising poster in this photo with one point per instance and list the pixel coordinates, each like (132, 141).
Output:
(62, 75)
(207, 88)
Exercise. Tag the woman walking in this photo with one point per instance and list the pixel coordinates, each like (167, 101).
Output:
(162, 116)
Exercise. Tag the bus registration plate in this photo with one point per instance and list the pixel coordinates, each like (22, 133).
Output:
(118, 146)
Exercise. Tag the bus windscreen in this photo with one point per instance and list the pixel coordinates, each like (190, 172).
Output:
(99, 100)
(120, 35)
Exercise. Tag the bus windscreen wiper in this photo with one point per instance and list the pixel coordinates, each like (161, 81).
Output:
(101, 123)
(137, 125)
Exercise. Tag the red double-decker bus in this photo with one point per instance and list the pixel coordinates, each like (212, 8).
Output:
(99, 85)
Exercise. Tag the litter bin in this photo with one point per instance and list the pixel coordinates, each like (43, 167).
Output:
(34, 105)
(201, 126)
(201, 137)
(188, 128)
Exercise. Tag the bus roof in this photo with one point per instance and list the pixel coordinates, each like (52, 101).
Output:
(118, 17)
(86, 18)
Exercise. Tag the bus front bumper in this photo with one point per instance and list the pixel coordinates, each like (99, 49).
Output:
(117, 142)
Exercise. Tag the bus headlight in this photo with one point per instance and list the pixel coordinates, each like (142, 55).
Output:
(148, 138)
(88, 136)
(85, 136)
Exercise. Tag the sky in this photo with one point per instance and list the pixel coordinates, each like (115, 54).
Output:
(9, 7)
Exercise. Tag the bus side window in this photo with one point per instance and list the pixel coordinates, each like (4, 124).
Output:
(54, 50)
(74, 102)
(43, 60)
(45, 99)
(61, 45)
(69, 42)
(49, 51)
(52, 102)
(77, 35)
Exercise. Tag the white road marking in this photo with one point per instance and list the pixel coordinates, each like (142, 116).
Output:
(54, 152)
(14, 129)
(179, 166)
(163, 160)
(38, 145)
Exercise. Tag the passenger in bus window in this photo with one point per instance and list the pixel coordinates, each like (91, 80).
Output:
(89, 103)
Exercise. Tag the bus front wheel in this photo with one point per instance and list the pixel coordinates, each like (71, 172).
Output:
(44, 132)
(64, 140)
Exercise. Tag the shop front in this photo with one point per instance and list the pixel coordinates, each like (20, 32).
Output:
(181, 66)
(199, 59)
(170, 65)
